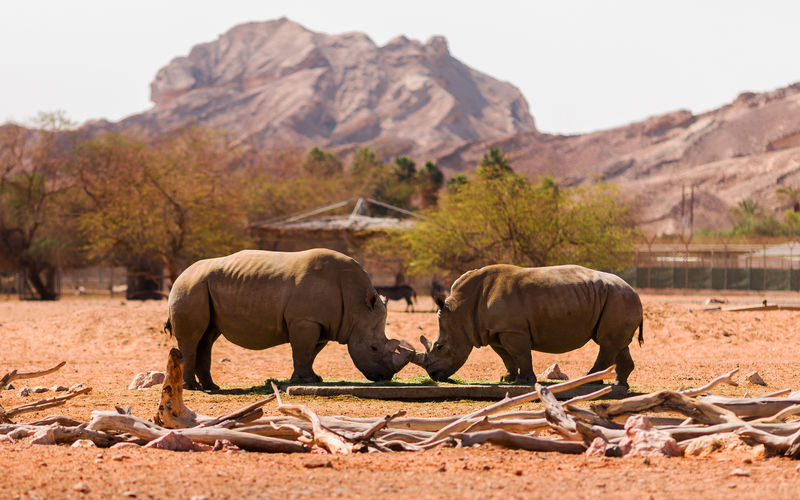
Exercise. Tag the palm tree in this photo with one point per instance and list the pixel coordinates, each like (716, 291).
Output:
(792, 194)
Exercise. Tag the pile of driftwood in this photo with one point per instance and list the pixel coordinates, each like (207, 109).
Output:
(559, 427)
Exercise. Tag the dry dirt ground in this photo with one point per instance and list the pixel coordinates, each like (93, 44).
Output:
(107, 341)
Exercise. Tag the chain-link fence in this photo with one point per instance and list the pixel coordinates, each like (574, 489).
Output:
(717, 267)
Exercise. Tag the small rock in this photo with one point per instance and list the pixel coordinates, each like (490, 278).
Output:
(81, 487)
(176, 442)
(10, 387)
(442, 468)
(553, 372)
(642, 439)
(25, 392)
(755, 378)
(83, 443)
(5, 439)
(200, 497)
(39, 389)
(725, 442)
(226, 445)
(317, 464)
(124, 445)
(597, 448)
(740, 473)
(76, 387)
(58, 388)
(224, 360)
(147, 379)
(129, 494)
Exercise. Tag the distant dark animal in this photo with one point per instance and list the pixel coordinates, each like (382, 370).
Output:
(437, 290)
(398, 292)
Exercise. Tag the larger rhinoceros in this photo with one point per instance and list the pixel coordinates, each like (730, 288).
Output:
(259, 299)
(550, 309)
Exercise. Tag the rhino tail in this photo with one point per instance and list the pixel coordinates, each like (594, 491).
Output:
(641, 333)
(168, 328)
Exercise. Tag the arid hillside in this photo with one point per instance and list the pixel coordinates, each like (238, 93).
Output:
(746, 149)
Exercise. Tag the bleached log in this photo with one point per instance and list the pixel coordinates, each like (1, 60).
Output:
(725, 378)
(6, 415)
(322, 437)
(667, 401)
(781, 416)
(172, 413)
(463, 422)
(58, 419)
(59, 434)
(519, 441)
(15, 375)
(682, 433)
(785, 445)
(246, 414)
(108, 421)
(752, 407)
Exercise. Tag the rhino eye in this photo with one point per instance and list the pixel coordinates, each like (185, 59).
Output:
(438, 347)
(373, 348)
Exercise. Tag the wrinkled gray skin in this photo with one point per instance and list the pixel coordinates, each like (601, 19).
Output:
(550, 309)
(260, 299)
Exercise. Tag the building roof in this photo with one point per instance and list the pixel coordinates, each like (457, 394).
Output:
(356, 221)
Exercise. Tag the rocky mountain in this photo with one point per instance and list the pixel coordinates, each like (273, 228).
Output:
(277, 84)
(746, 149)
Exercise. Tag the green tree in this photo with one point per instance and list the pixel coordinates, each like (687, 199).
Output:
(36, 202)
(508, 219)
(430, 180)
(175, 201)
(320, 163)
(751, 219)
(494, 164)
(791, 194)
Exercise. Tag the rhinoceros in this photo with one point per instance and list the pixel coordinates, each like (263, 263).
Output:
(515, 310)
(260, 299)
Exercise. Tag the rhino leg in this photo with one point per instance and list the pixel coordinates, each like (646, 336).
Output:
(304, 337)
(203, 362)
(511, 366)
(621, 357)
(518, 347)
(624, 366)
(189, 351)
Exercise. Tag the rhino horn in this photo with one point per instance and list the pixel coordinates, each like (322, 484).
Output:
(420, 359)
(426, 343)
(402, 358)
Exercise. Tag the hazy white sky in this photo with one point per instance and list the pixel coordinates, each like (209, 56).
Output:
(582, 65)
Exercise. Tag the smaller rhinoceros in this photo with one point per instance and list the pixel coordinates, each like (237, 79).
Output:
(515, 310)
(259, 299)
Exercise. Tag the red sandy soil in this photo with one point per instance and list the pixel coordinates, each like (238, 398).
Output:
(107, 341)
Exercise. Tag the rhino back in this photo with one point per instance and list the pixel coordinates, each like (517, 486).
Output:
(559, 306)
(254, 295)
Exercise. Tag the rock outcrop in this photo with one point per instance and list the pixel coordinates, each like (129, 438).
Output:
(277, 84)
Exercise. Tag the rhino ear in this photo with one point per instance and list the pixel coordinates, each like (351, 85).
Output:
(372, 299)
(440, 301)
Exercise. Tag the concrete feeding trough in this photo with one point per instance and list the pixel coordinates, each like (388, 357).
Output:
(434, 392)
